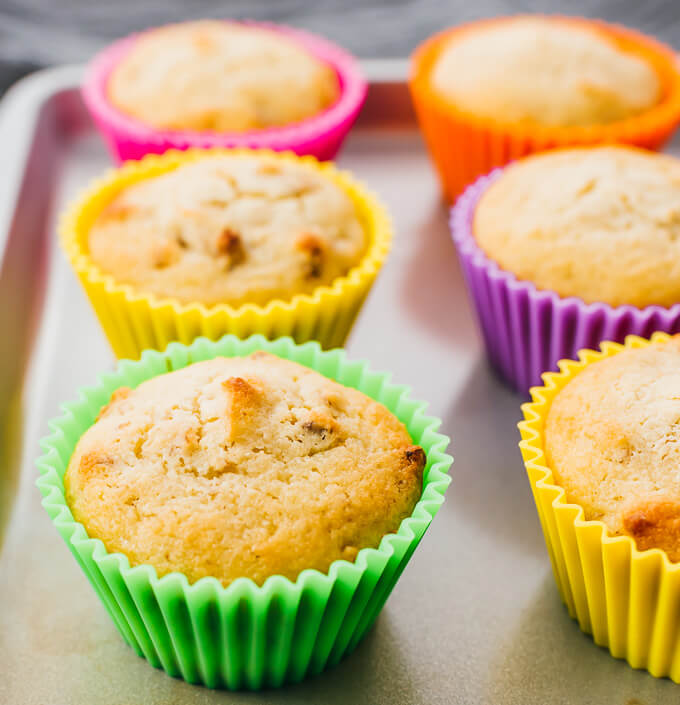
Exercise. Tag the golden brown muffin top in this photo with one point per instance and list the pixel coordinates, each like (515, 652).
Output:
(229, 229)
(612, 440)
(220, 76)
(243, 467)
(599, 223)
(545, 71)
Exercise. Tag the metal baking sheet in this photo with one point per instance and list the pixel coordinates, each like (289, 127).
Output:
(476, 617)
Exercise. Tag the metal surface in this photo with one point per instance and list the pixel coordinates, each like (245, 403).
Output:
(476, 617)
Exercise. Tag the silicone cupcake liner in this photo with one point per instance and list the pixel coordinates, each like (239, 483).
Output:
(134, 321)
(628, 600)
(525, 330)
(320, 135)
(464, 146)
(244, 636)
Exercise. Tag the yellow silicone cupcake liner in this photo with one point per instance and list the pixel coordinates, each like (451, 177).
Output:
(134, 320)
(629, 600)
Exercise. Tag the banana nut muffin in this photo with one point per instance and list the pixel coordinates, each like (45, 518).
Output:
(612, 439)
(243, 467)
(600, 223)
(546, 71)
(220, 76)
(229, 229)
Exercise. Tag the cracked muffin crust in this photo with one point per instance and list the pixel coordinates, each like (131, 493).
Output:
(601, 224)
(544, 71)
(220, 76)
(231, 229)
(243, 467)
(612, 440)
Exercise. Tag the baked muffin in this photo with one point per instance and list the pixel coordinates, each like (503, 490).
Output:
(601, 224)
(546, 71)
(243, 467)
(612, 440)
(220, 76)
(229, 229)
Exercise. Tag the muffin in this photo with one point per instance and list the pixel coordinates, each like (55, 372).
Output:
(599, 441)
(208, 242)
(491, 91)
(243, 467)
(215, 83)
(221, 76)
(613, 443)
(229, 229)
(224, 463)
(601, 224)
(540, 70)
(567, 248)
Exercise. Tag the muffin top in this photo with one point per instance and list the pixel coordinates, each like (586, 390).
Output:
(229, 229)
(546, 71)
(601, 224)
(612, 439)
(243, 467)
(220, 76)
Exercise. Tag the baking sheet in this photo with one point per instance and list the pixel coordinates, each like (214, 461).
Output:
(476, 617)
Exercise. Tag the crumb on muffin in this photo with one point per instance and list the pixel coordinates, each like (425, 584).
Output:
(612, 441)
(220, 76)
(243, 467)
(544, 71)
(601, 224)
(229, 229)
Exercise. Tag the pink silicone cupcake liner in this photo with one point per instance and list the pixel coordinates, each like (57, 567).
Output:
(526, 331)
(321, 135)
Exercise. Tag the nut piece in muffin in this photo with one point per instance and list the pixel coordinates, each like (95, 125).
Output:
(220, 76)
(229, 229)
(243, 467)
(600, 223)
(612, 440)
(545, 71)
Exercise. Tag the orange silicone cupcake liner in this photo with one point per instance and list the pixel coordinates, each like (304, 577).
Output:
(465, 146)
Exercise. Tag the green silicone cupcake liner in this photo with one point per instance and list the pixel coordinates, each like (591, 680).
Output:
(244, 636)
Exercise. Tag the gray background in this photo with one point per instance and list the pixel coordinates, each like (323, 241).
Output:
(36, 33)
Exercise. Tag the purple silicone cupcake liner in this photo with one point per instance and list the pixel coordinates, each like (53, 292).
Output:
(320, 135)
(526, 331)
